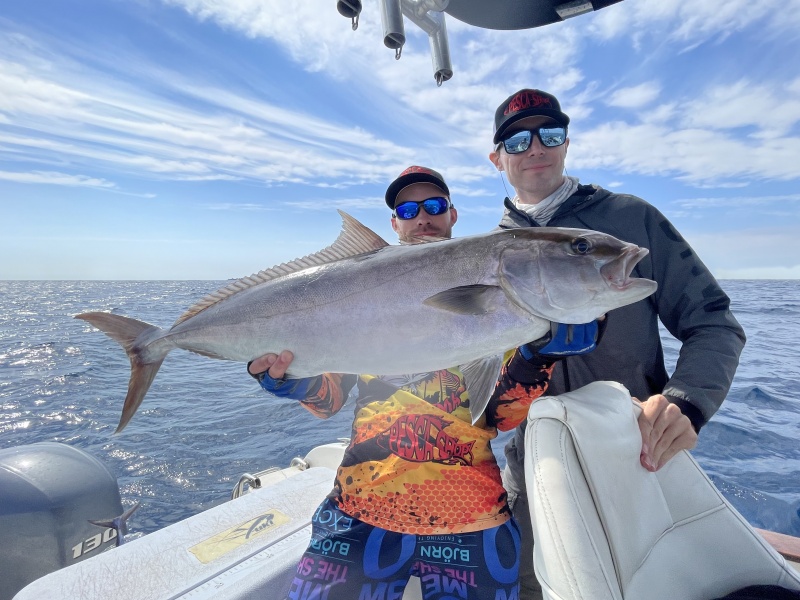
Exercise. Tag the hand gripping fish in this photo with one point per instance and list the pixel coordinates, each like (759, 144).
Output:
(364, 306)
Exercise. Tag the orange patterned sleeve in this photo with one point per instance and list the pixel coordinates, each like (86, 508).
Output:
(520, 383)
(330, 394)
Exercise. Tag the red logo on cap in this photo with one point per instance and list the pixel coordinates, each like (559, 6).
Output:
(416, 169)
(525, 100)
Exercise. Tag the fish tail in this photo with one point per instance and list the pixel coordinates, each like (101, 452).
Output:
(126, 332)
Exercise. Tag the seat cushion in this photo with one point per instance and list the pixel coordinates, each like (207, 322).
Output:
(605, 527)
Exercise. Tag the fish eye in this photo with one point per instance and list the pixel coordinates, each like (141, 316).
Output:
(581, 246)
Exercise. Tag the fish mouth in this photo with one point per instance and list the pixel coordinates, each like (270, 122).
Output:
(618, 272)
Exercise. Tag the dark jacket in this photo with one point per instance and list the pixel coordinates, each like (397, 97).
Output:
(689, 302)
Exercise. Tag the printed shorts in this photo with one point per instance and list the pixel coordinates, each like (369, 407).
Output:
(351, 560)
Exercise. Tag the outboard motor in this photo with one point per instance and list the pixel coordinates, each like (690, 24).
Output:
(48, 494)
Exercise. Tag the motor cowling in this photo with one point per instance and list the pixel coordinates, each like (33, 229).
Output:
(48, 494)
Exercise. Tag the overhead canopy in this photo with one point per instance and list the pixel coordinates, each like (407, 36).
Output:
(519, 14)
(429, 15)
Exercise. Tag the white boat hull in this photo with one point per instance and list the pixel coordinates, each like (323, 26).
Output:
(248, 547)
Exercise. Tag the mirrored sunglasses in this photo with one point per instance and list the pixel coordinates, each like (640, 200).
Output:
(550, 136)
(433, 206)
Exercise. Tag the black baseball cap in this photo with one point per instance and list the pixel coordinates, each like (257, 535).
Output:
(411, 175)
(526, 103)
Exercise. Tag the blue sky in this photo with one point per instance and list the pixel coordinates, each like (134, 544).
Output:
(209, 139)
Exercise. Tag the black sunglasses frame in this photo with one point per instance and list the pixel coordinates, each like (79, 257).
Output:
(537, 131)
(423, 205)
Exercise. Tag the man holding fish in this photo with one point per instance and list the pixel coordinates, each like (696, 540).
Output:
(418, 491)
(472, 299)
(530, 147)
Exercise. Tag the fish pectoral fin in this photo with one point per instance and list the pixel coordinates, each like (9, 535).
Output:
(477, 299)
(480, 378)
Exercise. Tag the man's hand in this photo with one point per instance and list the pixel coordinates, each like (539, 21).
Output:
(275, 364)
(665, 432)
(270, 371)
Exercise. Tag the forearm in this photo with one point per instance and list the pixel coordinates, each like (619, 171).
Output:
(323, 395)
(330, 395)
(527, 371)
(695, 310)
(704, 372)
(521, 382)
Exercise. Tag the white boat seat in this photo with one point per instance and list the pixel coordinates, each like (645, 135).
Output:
(606, 528)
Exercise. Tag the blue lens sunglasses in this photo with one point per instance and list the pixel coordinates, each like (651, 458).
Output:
(433, 206)
(550, 136)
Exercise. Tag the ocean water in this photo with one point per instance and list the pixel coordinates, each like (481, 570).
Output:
(205, 422)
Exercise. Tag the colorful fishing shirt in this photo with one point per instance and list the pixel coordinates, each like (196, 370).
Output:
(415, 464)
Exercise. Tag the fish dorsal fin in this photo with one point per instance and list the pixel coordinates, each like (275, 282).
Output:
(354, 239)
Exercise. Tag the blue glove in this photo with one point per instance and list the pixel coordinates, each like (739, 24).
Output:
(565, 340)
(296, 389)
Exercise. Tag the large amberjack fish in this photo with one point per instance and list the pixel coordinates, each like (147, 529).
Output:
(363, 306)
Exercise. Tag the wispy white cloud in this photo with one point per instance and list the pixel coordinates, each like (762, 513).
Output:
(471, 192)
(218, 177)
(772, 108)
(181, 128)
(695, 155)
(53, 178)
(312, 32)
(219, 135)
(636, 96)
(693, 23)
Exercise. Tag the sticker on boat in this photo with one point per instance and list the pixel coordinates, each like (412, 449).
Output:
(238, 535)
